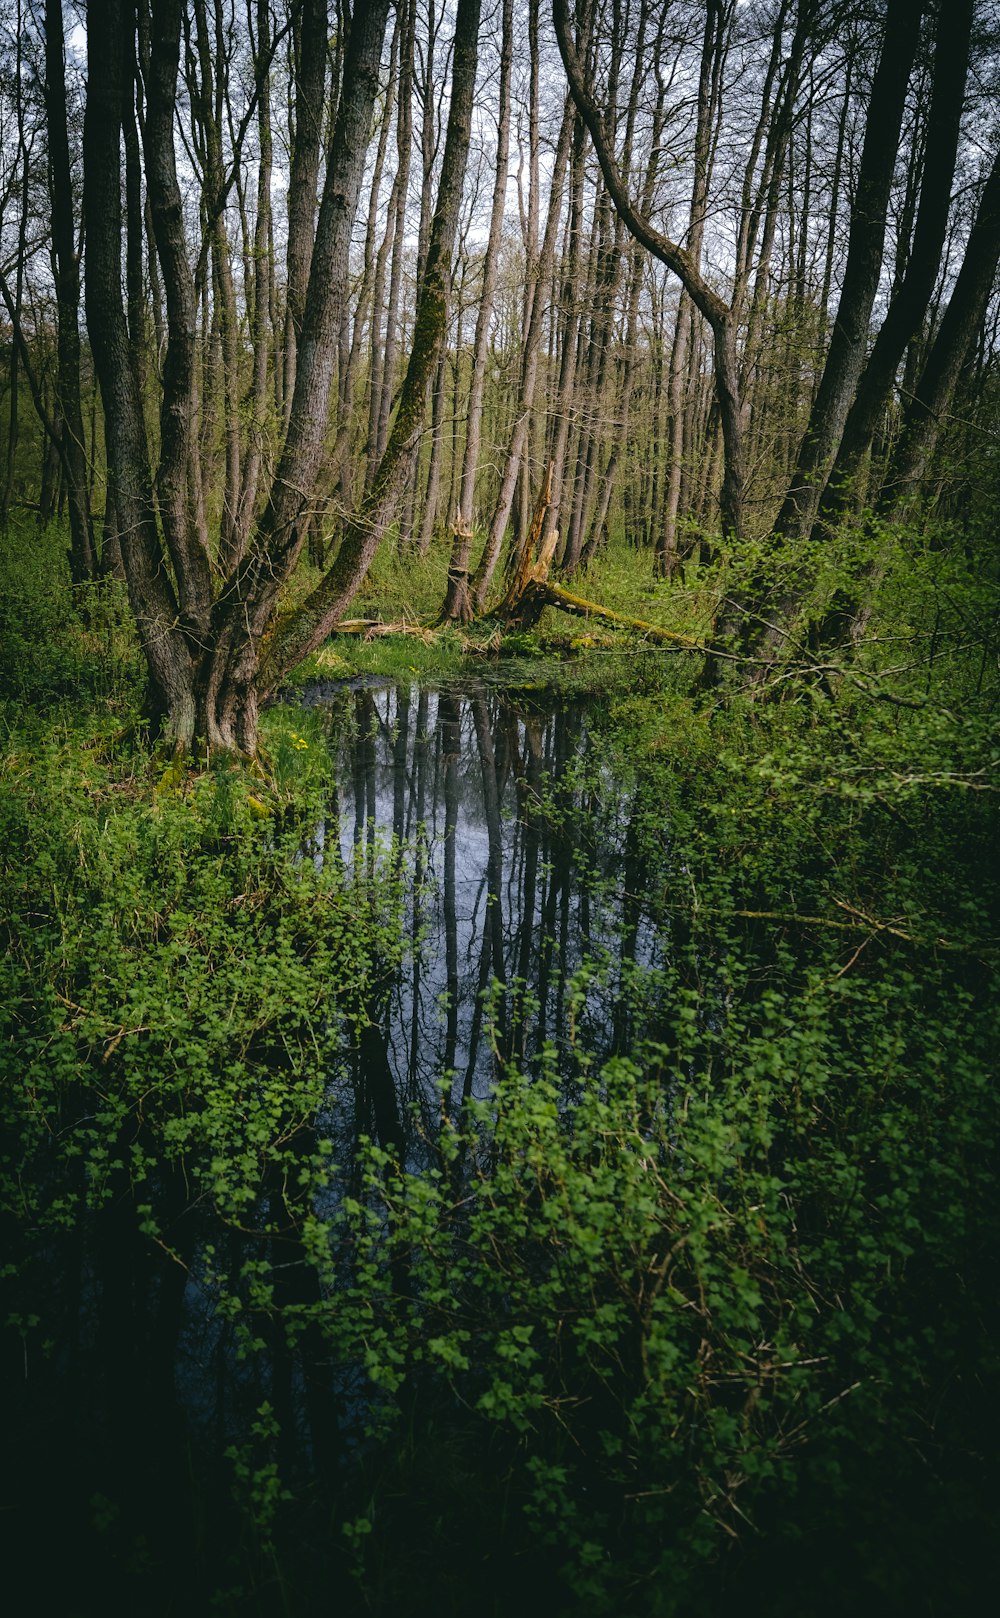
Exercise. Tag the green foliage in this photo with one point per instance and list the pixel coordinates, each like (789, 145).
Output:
(178, 976)
(683, 1288)
(57, 642)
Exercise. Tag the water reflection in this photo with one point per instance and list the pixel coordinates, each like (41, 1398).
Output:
(526, 916)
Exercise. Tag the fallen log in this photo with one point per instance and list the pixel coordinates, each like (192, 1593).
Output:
(373, 628)
(548, 594)
(529, 588)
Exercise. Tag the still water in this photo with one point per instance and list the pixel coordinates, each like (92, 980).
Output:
(527, 915)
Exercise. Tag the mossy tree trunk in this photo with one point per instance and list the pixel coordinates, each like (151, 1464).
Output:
(206, 613)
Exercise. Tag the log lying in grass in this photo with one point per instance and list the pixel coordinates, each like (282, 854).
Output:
(547, 594)
(372, 628)
(529, 590)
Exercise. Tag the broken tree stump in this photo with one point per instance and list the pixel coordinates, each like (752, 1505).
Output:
(529, 565)
(530, 590)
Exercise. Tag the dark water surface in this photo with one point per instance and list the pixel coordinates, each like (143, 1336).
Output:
(526, 912)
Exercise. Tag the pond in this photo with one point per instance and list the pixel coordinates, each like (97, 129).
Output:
(528, 913)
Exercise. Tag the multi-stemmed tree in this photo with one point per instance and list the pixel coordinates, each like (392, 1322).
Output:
(208, 614)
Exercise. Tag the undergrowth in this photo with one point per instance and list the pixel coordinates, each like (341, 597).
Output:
(707, 1326)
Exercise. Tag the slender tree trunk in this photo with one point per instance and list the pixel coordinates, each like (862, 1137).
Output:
(310, 75)
(13, 419)
(458, 603)
(66, 268)
(404, 136)
(846, 356)
(569, 335)
(208, 97)
(257, 401)
(432, 493)
(177, 415)
(529, 372)
(718, 18)
(719, 315)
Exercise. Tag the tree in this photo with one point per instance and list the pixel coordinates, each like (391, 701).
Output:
(846, 356)
(458, 604)
(207, 615)
(267, 354)
(718, 313)
(66, 268)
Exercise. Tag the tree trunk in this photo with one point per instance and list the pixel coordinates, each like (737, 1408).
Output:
(316, 617)
(718, 313)
(529, 373)
(846, 356)
(66, 271)
(310, 74)
(168, 653)
(458, 603)
(943, 366)
(909, 304)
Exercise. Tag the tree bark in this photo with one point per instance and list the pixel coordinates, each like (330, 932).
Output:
(909, 305)
(942, 368)
(528, 377)
(110, 26)
(316, 617)
(458, 602)
(66, 268)
(846, 356)
(310, 74)
(716, 311)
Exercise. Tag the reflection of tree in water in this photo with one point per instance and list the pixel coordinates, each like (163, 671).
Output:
(525, 866)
